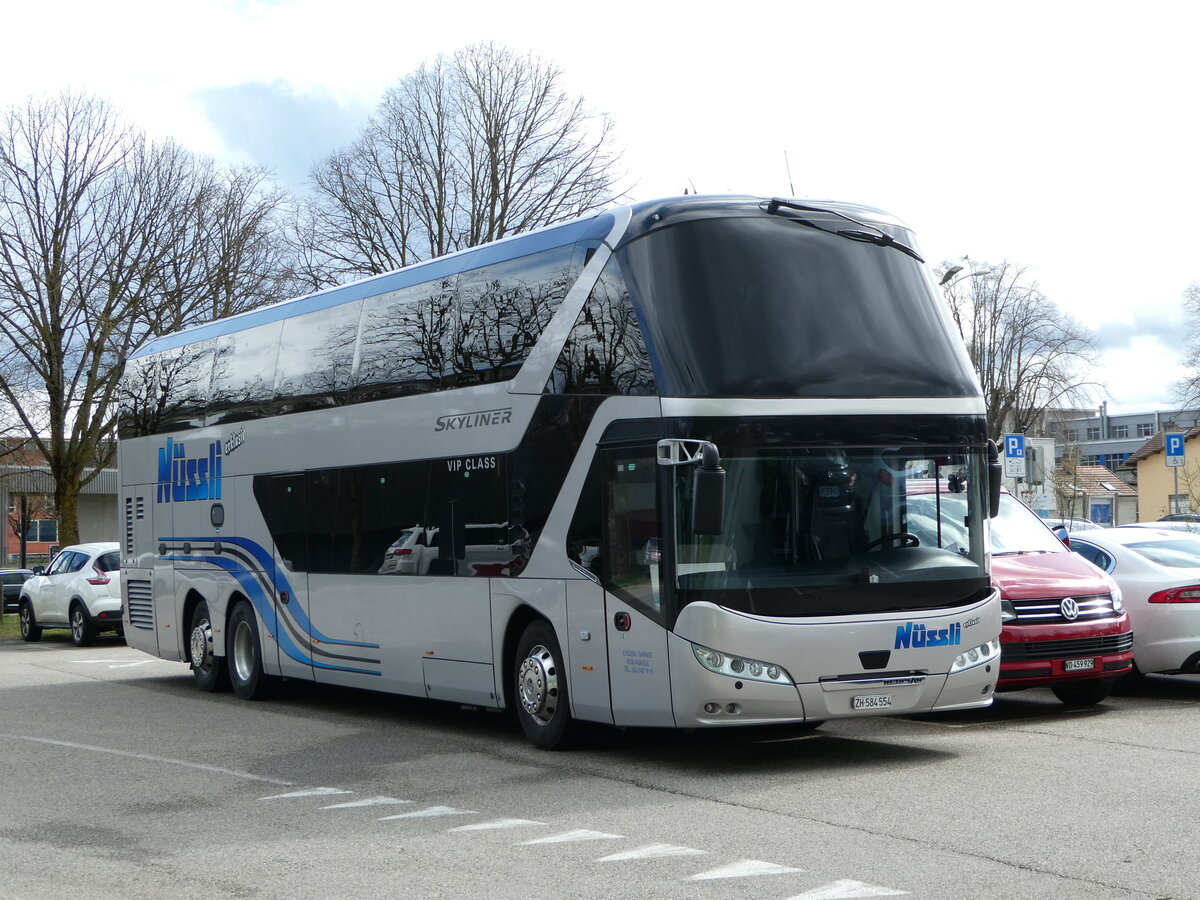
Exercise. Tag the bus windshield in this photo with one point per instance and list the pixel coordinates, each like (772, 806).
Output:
(821, 531)
(763, 306)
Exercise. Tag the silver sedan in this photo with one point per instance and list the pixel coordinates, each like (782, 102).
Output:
(1159, 574)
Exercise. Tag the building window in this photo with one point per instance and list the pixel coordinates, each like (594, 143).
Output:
(1089, 460)
(1093, 433)
(1179, 504)
(42, 531)
(1120, 431)
(1072, 435)
(1145, 429)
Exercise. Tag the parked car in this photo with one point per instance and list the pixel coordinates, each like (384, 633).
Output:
(12, 579)
(1064, 624)
(81, 591)
(1181, 517)
(1071, 523)
(1159, 574)
(1193, 527)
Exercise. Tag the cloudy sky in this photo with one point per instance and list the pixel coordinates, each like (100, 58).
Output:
(1058, 136)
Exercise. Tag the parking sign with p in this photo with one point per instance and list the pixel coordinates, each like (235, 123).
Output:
(1173, 444)
(1014, 456)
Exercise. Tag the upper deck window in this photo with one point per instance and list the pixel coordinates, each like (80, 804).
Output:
(766, 306)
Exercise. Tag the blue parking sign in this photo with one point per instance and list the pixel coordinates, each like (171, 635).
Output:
(1014, 456)
(1173, 444)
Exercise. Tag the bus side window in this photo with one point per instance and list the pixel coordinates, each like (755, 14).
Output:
(586, 534)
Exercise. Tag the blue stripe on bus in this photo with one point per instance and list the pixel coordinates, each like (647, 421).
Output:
(280, 582)
(249, 581)
(593, 228)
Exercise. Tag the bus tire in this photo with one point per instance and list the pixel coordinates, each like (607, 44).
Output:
(30, 631)
(244, 654)
(209, 671)
(540, 689)
(83, 632)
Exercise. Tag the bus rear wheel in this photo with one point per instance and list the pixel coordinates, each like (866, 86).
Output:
(540, 688)
(209, 671)
(244, 655)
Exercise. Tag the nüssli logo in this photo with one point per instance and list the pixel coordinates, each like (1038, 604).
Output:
(914, 634)
(182, 477)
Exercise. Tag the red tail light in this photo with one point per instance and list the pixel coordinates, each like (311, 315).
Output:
(404, 551)
(99, 578)
(1190, 594)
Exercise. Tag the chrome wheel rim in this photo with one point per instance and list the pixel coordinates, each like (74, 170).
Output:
(77, 623)
(243, 652)
(25, 620)
(537, 682)
(202, 644)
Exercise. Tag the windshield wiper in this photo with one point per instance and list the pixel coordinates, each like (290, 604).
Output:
(872, 234)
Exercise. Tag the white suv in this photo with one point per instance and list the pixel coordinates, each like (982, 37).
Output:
(81, 590)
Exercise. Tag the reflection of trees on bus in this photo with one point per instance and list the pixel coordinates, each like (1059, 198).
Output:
(605, 353)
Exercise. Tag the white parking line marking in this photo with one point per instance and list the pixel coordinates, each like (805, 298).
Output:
(371, 801)
(311, 792)
(652, 851)
(148, 758)
(119, 663)
(845, 889)
(496, 824)
(430, 812)
(580, 834)
(745, 868)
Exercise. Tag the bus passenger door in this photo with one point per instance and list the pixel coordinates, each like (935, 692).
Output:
(284, 608)
(631, 562)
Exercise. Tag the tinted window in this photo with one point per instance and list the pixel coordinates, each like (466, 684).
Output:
(182, 380)
(243, 373)
(1092, 554)
(606, 352)
(405, 341)
(316, 357)
(632, 550)
(770, 307)
(63, 562)
(502, 310)
(109, 562)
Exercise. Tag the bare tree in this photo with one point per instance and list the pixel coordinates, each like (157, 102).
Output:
(1188, 389)
(1028, 354)
(105, 241)
(462, 151)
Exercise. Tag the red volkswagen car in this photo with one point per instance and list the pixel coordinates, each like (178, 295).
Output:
(1065, 626)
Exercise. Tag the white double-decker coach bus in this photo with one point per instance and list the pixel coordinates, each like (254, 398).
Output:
(646, 468)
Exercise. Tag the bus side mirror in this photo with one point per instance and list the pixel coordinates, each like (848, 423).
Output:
(995, 473)
(708, 493)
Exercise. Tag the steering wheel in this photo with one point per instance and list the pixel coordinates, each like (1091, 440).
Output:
(906, 539)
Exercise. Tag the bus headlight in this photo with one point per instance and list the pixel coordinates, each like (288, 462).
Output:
(740, 666)
(976, 656)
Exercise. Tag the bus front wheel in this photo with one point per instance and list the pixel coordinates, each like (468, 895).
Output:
(244, 655)
(540, 689)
